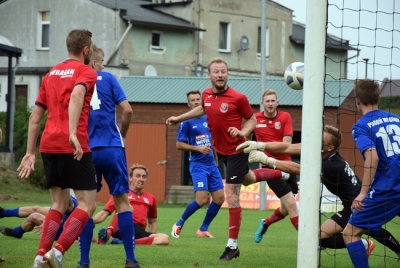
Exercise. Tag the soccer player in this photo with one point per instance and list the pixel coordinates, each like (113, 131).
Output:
(275, 125)
(377, 136)
(195, 137)
(145, 207)
(339, 179)
(225, 108)
(34, 217)
(65, 93)
(106, 140)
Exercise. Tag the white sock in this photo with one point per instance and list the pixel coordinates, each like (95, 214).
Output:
(365, 242)
(58, 254)
(232, 243)
(285, 176)
(39, 258)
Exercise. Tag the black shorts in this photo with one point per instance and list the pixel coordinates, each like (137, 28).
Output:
(63, 171)
(139, 232)
(279, 187)
(237, 166)
(342, 217)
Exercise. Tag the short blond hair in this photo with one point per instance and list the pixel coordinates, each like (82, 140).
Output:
(270, 92)
(217, 60)
(336, 135)
(96, 53)
(137, 166)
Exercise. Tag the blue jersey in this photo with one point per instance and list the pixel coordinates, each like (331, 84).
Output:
(381, 130)
(195, 132)
(103, 127)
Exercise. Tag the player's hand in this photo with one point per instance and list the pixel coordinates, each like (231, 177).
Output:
(260, 157)
(358, 202)
(27, 165)
(204, 149)
(249, 146)
(78, 152)
(173, 120)
(38, 229)
(235, 133)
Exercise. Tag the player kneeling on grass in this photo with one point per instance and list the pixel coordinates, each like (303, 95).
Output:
(145, 207)
(338, 178)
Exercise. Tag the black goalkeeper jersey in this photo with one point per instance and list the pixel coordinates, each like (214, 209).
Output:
(340, 179)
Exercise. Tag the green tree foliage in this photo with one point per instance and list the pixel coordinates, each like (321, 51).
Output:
(21, 126)
(390, 104)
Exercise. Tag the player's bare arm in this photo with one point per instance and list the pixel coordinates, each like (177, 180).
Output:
(193, 113)
(183, 146)
(74, 112)
(126, 117)
(100, 216)
(152, 225)
(28, 162)
(370, 165)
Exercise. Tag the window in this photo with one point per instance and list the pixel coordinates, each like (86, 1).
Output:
(43, 33)
(157, 41)
(224, 37)
(266, 42)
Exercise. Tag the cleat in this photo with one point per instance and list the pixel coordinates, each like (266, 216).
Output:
(82, 266)
(262, 229)
(116, 241)
(176, 231)
(102, 236)
(51, 259)
(229, 254)
(371, 246)
(292, 181)
(1, 212)
(39, 264)
(8, 232)
(130, 264)
(204, 234)
(398, 256)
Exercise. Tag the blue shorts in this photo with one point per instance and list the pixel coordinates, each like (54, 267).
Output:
(376, 213)
(110, 163)
(205, 177)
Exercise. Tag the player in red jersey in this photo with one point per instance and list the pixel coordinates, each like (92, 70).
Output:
(145, 207)
(65, 93)
(276, 125)
(225, 109)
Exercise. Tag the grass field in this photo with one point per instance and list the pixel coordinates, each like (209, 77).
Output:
(278, 248)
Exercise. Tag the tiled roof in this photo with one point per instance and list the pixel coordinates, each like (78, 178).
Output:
(172, 89)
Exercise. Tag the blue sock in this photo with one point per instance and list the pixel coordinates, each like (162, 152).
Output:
(358, 254)
(18, 231)
(127, 231)
(85, 241)
(190, 209)
(212, 211)
(11, 212)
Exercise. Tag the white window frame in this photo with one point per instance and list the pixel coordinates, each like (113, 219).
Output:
(266, 42)
(228, 37)
(40, 24)
(161, 45)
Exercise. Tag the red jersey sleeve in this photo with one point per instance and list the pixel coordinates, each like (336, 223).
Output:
(153, 208)
(244, 107)
(41, 99)
(87, 77)
(288, 127)
(110, 205)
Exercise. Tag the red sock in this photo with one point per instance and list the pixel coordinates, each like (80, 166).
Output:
(144, 240)
(266, 174)
(50, 228)
(72, 229)
(274, 217)
(295, 222)
(235, 218)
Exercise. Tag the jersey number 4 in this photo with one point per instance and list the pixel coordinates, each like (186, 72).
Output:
(391, 148)
(95, 101)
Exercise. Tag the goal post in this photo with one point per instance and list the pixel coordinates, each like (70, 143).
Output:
(311, 133)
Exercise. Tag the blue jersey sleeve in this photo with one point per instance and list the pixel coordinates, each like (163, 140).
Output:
(362, 137)
(118, 92)
(183, 133)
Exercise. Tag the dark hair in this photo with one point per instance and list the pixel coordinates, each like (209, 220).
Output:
(78, 39)
(193, 92)
(336, 135)
(367, 91)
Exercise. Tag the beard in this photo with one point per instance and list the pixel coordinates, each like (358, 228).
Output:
(218, 86)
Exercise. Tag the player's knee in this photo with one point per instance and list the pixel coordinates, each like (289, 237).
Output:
(165, 240)
(35, 208)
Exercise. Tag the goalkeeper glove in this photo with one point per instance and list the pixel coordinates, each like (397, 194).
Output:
(249, 146)
(260, 157)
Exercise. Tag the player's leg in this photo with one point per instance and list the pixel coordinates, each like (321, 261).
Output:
(28, 224)
(265, 174)
(146, 238)
(199, 174)
(387, 239)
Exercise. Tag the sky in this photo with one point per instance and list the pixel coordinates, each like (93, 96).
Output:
(375, 30)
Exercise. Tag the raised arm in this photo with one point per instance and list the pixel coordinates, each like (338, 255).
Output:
(194, 113)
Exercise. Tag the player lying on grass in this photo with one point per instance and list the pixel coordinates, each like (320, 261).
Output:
(34, 217)
(145, 207)
(338, 178)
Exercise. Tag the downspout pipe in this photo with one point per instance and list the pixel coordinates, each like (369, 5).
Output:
(120, 42)
(10, 105)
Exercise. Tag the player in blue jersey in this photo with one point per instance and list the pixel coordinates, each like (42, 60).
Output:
(106, 140)
(377, 136)
(34, 217)
(195, 137)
